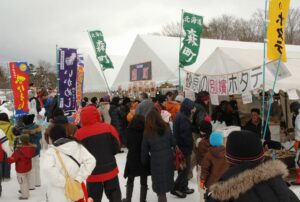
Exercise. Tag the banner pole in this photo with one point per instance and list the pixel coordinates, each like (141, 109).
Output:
(264, 69)
(106, 83)
(271, 99)
(179, 66)
(57, 73)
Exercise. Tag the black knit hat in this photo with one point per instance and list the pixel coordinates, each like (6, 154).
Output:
(205, 127)
(244, 146)
(28, 119)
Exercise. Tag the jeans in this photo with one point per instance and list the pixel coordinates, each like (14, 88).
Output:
(5, 168)
(181, 183)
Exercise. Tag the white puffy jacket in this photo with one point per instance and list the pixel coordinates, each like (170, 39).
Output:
(55, 172)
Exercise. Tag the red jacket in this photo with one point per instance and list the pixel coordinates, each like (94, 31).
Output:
(22, 157)
(102, 141)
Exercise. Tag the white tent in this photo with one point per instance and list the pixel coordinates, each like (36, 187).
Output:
(164, 53)
(93, 80)
(232, 60)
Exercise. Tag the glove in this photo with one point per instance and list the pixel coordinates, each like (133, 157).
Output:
(296, 145)
(202, 186)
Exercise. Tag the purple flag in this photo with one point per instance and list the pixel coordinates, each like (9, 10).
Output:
(67, 74)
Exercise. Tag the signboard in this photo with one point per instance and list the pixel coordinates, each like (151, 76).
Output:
(141, 72)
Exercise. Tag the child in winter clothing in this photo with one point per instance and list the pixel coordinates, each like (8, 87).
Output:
(203, 145)
(214, 163)
(22, 157)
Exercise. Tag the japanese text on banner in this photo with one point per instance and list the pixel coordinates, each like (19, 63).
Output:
(67, 79)
(192, 25)
(278, 13)
(19, 72)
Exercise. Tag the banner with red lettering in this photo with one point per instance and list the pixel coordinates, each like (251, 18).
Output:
(19, 73)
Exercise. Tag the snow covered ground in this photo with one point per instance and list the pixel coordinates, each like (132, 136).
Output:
(10, 188)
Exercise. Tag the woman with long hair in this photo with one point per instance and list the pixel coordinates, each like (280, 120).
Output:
(158, 142)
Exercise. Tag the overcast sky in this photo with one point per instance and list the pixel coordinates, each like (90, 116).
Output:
(30, 29)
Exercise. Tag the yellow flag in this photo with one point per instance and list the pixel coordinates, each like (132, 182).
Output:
(278, 13)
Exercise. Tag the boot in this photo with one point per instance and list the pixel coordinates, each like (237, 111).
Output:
(143, 194)
(297, 181)
(129, 190)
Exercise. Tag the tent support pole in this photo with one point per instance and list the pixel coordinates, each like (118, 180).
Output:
(264, 70)
(179, 66)
(271, 99)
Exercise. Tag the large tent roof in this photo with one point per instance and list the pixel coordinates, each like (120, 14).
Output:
(164, 53)
(232, 60)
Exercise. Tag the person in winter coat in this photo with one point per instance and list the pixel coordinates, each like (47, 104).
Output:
(104, 109)
(202, 110)
(182, 129)
(295, 109)
(7, 127)
(60, 119)
(202, 148)
(145, 106)
(255, 125)
(158, 142)
(33, 104)
(102, 141)
(134, 167)
(4, 149)
(214, 163)
(249, 179)
(35, 135)
(171, 105)
(22, 157)
(160, 103)
(131, 113)
(78, 161)
(117, 118)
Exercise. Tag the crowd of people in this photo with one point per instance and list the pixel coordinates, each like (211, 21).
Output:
(163, 135)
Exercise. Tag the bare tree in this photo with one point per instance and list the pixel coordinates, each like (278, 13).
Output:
(292, 30)
(172, 29)
(4, 82)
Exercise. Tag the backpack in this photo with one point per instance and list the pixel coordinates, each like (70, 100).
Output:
(73, 188)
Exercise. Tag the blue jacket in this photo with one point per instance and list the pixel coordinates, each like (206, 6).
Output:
(35, 134)
(182, 129)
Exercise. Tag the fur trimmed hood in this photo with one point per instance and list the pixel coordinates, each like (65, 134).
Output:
(244, 181)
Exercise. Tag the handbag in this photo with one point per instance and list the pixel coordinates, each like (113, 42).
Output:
(180, 161)
(73, 188)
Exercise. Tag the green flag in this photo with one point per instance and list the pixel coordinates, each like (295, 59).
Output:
(192, 25)
(100, 49)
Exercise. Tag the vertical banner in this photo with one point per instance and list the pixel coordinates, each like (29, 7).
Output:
(79, 79)
(67, 74)
(278, 13)
(19, 73)
(192, 25)
(100, 49)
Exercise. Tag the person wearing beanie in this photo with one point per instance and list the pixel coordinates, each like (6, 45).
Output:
(35, 135)
(60, 119)
(104, 109)
(182, 129)
(214, 163)
(22, 156)
(249, 178)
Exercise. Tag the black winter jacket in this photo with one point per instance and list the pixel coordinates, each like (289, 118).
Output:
(117, 119)
(250, 182)
(134, 166)
(161, 160)
(182, 129)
